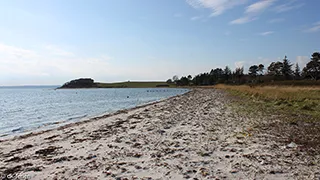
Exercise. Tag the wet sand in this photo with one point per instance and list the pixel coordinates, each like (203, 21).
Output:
(192, 136)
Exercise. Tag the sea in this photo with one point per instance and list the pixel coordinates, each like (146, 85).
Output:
(28, 108)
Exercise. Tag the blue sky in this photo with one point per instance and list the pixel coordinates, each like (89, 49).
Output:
(54, 41)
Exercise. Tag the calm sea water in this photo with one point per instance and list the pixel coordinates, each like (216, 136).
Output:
(27, 108)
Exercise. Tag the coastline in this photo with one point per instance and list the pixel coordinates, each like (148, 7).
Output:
(194, 135)
(47, 128)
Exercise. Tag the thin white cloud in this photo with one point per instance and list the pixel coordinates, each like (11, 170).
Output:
(291, 5)
(314, 28)
(260, 6)
(243, 20)
(194, 18)
(31, 67)
(276, 20)
(217, 6)
(20, 66)
(266, 33)
(252, 11)
(17, 52)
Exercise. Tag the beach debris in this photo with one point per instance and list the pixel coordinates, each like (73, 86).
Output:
(79, 140)
(91, 156)
(240, 136)
(15, 159)
(137, 167)
(51, 137)
(233, 171)
(27, 164)
(19, 150)
(137, 155)
(135, 116)
(205, 153)
(292, 145)
(204, 172)
(27, 146)
(35, 169)
(60, 159)
(12, 170)
(47, 151)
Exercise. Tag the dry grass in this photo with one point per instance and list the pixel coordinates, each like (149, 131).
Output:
(292, 100)
(290, 93)
(296, 110)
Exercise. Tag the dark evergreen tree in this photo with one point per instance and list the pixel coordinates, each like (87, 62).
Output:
(312, 69)
(297, 72)
(238, 74)
(287, 68)
(227, 73)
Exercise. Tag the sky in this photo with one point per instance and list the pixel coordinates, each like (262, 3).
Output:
(50, 42)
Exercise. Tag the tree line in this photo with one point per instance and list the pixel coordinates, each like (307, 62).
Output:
(257, 73)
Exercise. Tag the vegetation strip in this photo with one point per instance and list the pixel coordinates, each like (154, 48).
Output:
(295, 111)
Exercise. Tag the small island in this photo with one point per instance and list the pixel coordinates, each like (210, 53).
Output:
(79, 83)
(90, 83)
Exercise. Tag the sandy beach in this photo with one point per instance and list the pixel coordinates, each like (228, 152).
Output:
(192, 136)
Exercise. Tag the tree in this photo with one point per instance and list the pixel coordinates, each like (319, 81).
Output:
(175, 78)
(312, 69)
(202, 79)
(227, 73)
(287, 68)
(190, 77)
(253, 70)
(184, 81)
(238, 73)
(217, 73)
(275, 69)
(297, 73)
(261, 69)
(169, 81)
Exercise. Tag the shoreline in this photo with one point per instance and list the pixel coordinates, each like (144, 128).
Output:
(43, 129)
(194, 135)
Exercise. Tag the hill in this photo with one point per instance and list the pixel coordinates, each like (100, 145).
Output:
(136, 84)
(89, 83)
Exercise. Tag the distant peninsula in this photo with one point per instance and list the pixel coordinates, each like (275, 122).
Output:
(90, 83)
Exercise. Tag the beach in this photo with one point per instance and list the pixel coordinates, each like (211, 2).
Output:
(196, 135)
